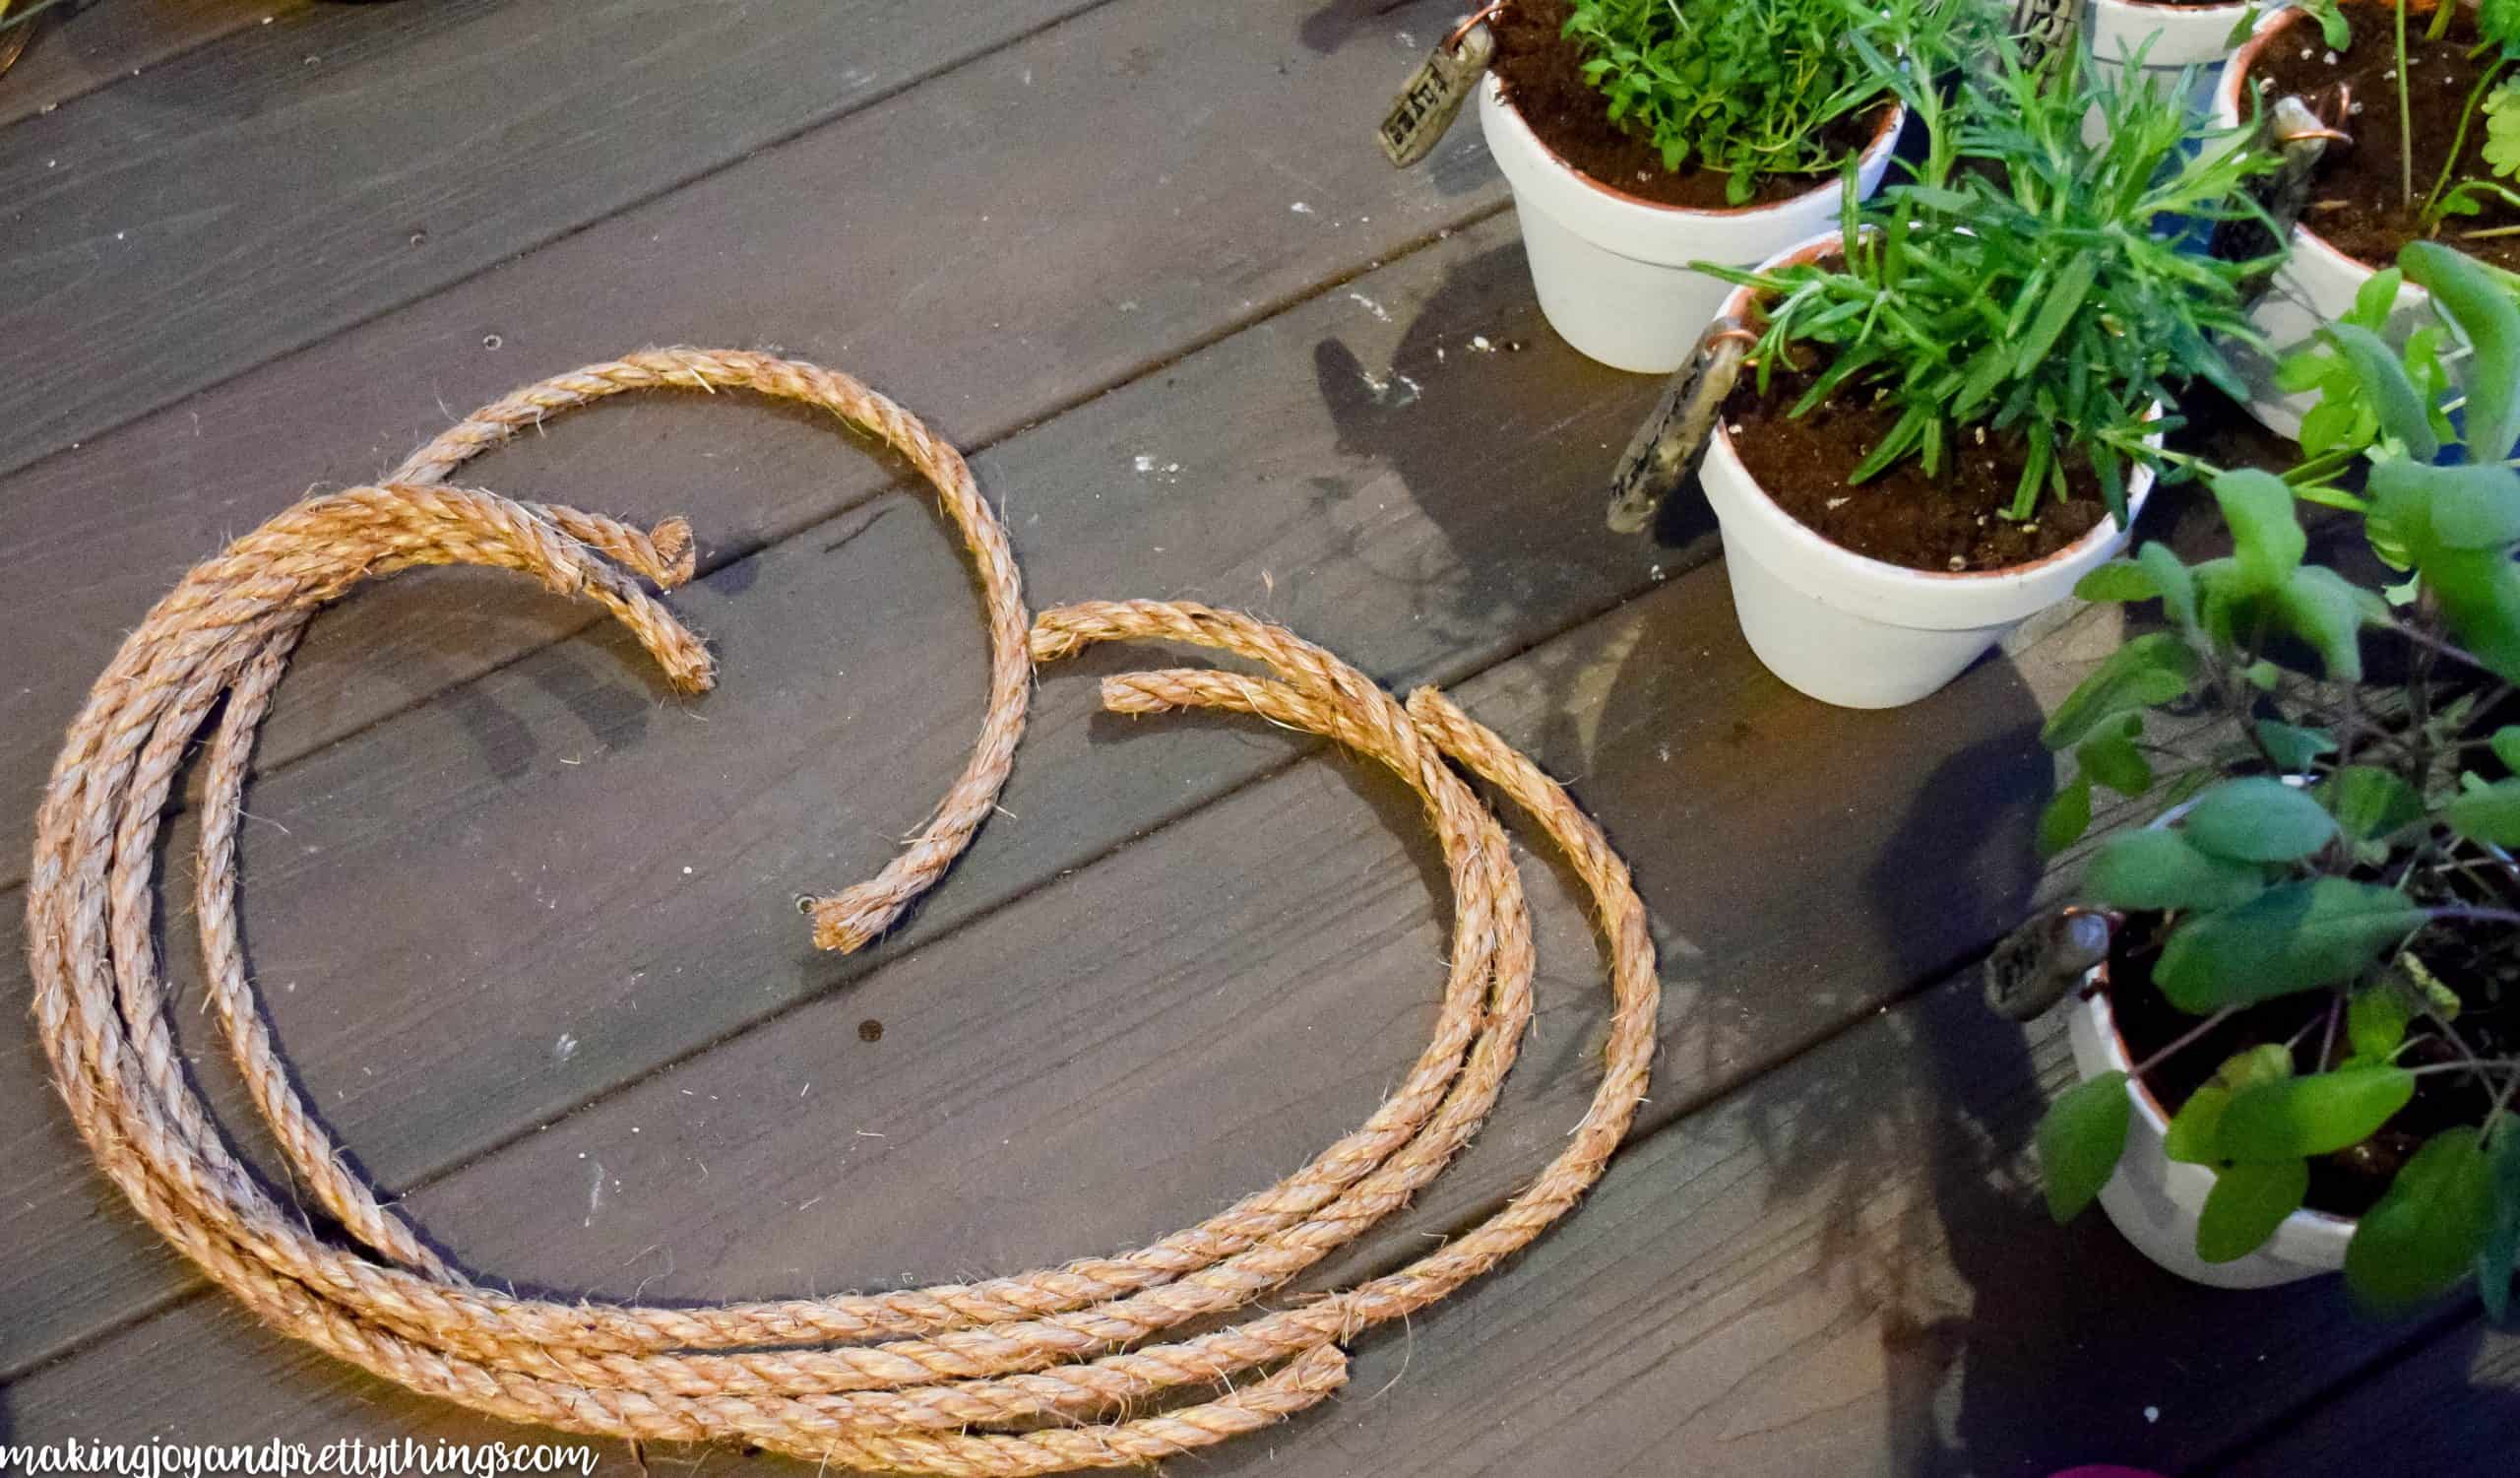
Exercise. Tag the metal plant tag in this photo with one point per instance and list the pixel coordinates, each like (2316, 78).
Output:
(1434, 93)
(14, 33)
(1667, 447)
(2299, 137)
(2035, 965)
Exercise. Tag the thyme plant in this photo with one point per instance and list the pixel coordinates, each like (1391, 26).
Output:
(1744, 88)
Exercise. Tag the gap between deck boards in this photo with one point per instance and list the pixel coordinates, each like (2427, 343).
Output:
(1572, 565)
(1462, 191)
(207, 297)
(1749, 1077)
(1182, 259)
(107, 42)
(1702, 599)
(1152, 366)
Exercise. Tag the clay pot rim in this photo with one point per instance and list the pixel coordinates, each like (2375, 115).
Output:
(1884, 135)
(2228, 93)
(2096, 985)
(2232, 8)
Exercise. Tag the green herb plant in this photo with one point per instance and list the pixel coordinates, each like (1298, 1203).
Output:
(2496, 97)
(2022, 281)
(1742, 88)
(2353, 850)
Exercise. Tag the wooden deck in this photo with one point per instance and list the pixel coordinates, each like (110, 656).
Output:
(524, 924)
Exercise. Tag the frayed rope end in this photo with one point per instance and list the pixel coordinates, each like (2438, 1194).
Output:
(678, 554)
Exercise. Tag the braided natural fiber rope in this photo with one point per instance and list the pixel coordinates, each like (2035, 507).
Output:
(883, 1381)
(854, 915)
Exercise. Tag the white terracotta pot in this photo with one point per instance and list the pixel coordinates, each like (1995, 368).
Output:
(1611, 270)
(2181, 36)
(2155, 1201)
(2316, 287)
(1861, 633)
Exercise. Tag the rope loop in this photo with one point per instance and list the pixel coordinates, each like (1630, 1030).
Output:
(1080, 1365)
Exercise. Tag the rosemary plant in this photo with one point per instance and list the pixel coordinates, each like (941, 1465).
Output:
(2025, 280)
(1745, 88)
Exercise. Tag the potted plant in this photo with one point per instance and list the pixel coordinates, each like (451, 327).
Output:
(1959, 396)
(2303, 1051)
(2169, 40)
(2431, 96)
(1641, 136)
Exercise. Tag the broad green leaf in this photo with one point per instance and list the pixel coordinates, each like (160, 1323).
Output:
(2294, 748)
(2080, 1140)
(2475, 507)
(2152, 670)
(2263, 676)
(2316, 1114)
(2324, 609)
(2478, 589)
(2474, 298)
(2267, 540)
(2491, 814)
(2159, 870)
(2117, 580)
(2258, 819)
(2375, 1021)
(2403, 416)
(2246, 1206)
(2371, 802)
(2502, 1233)
(2296, 937)
(2221, 585)
(2171, 577)
(2426, 1232)
(2506, 739)
(2190, 1136)
(2376, 299)
(2064, 819)
(2112, 760)
(2266, 1063)
(2193, 1129)
(2479, 594)
(2498, 21)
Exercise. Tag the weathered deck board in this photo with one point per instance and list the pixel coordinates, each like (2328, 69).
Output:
(163, 235)
(1845, 1269)
(103, 42)
(485, 840)
(1840, 1265)
(913, 294)
(2450, 1409)
(1039, 271)
(1246, 951)
(1822, 1253)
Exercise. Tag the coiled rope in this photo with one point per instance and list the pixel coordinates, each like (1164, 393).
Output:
(907, 1381)
(853, 916)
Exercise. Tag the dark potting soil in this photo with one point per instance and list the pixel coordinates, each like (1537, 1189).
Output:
(2349, 1181)
(1902, 514)
(1543, 73)
(2358, 198)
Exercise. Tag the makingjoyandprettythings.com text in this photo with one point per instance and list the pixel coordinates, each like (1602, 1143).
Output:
(349, 1457)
